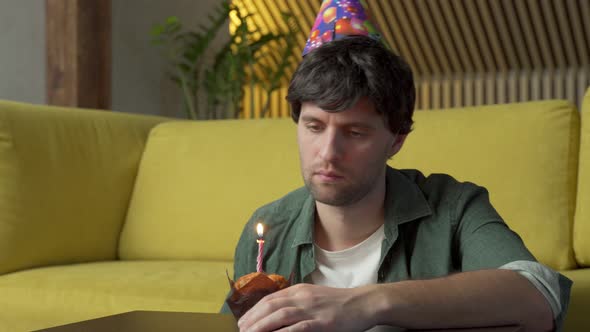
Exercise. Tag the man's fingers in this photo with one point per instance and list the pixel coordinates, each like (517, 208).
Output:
(278, 294)
(252, 312)
(285, 317)
(263, 309)
(302, 326)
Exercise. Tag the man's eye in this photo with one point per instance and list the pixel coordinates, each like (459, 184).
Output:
(356, 134)
(314, 128)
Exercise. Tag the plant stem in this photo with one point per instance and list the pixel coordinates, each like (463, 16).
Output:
(265, 108)
(187, 96)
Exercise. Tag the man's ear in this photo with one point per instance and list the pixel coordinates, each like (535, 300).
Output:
(397, 144)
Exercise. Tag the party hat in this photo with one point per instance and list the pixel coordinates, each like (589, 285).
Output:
(339, 19)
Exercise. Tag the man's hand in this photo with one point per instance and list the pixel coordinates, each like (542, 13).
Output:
(468, 299)
(306, 307)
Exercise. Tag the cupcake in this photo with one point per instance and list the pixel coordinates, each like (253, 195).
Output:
(251, 288)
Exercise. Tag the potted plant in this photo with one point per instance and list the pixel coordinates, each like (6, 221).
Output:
(244, 61)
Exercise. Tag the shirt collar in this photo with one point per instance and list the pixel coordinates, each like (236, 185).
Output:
(305, 220)
(404, 202)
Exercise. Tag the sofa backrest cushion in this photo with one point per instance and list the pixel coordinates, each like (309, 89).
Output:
(582, 218)
(525, 154)
(199, 182)
(66, 176)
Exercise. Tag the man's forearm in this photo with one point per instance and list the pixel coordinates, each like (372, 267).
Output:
(469, 299)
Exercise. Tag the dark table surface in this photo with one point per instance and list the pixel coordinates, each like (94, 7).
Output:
(158, 321)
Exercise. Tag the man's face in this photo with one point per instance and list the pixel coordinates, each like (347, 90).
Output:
(343, 154)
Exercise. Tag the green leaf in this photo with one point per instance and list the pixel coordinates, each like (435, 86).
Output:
(184, 68)
(172, 20)
(157, 30)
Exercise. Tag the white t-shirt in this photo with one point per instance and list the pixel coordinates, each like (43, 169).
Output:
(353, 267)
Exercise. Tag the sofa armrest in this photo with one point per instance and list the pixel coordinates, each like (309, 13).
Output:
(66, 176)
(582, 216)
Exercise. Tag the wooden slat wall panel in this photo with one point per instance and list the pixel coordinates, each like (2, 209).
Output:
(482, 44)
(557, 47)
(448, 44)
(414, 60)
(517, 34)
(540, 34)
(565, 34)
(506, 46)
(469, 52)
(491, 32)
(386, 30)
(473, 89)
(419, 20)
(497, 35)
(502, 87)
(580, 28)
(397, 13)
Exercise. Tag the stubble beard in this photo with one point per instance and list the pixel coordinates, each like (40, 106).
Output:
(338, 194)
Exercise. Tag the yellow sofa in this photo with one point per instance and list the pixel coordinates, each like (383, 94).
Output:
(105, 212)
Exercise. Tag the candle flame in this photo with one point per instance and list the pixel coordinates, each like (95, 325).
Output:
(260, 229)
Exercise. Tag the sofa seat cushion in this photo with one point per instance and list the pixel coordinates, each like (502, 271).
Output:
(577, 317)
(46, 297)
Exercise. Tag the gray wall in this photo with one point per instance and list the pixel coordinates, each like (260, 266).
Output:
(139, 81)
(22, 50)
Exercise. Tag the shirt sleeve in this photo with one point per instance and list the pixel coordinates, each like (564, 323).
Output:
(486, 242)
(551, 284)
(483, 239)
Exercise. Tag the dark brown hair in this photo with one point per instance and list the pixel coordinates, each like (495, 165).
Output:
(335, 75)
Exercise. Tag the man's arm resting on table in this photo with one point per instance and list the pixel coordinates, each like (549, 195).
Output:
(468, 299)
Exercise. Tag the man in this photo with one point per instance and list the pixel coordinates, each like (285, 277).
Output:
(369, 245)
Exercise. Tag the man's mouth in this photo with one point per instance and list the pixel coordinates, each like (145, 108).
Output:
(329, 176)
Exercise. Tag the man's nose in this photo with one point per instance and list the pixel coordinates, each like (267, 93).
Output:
(331, 146)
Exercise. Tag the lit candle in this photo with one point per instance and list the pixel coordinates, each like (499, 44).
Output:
(260, 231)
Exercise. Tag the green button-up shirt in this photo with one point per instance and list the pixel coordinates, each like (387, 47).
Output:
(434, 226)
